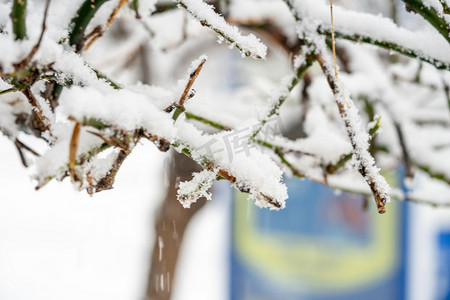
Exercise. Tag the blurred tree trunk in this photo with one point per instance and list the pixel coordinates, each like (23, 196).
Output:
(170, 224)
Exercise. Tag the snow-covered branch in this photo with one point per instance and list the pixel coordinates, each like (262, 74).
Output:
(433, 11)
(248, 45)
(361, 159)
(89, 110)
(371, 29)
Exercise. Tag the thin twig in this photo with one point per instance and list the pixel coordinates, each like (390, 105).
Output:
(206, 121)
(192, 77)
(10, 90)
(433, 174)
(108, 24)
(447, 92)
(409, 170)
(111, 140)
(74, 141)
(24, 146)
(296, 78)
(22, 156)
(19, 145)
(33, 51)
(333, 43)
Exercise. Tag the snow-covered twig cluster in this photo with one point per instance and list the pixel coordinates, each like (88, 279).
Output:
(53, 87)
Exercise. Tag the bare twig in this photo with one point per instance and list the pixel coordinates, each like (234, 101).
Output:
(21, 146)
(94, 31)
(26, 147)
(10, 90)
(333, 43)
(409, 170)
(180, 105)
(33, 51)
(22, 156)
(99, 34)
(206, 121)
(73, 150)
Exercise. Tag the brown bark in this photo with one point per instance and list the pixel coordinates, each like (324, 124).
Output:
(170, 225)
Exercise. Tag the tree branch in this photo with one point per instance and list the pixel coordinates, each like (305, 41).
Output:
(33, 51)
(101, 32)
(81, 20)
(365, 167)
(388, 46)
(431, 15)
(300, 69)
(18, 18)
(247, 45)
(179, 107)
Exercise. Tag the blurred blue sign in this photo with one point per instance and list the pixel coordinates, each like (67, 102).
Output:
(323, 246)
(443, 288)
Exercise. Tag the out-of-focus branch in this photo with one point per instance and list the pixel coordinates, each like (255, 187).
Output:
(10, 90)
(35, 48)
(300, 69)
(431, 15)
(409, 171)
(433, 174)
(447, 93)
(387, 45)
(20, 147)
(100, 33)
(206, 121)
